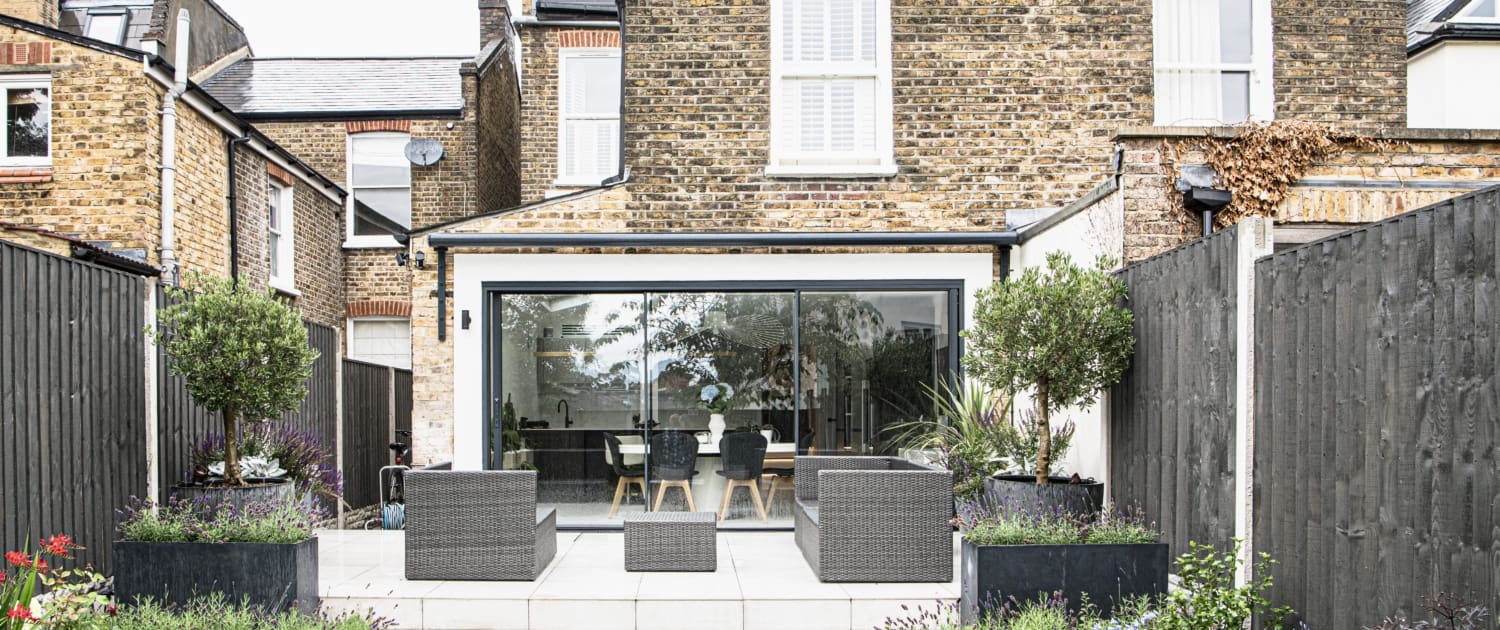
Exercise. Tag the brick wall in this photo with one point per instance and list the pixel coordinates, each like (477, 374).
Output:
(1341, 61)
(44, 12)
(1421, 167)
(539, 107)
(494, 20)
(497, 137)
(103, 184)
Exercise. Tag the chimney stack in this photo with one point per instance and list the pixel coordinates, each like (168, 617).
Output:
(44, 12)
(494, 20)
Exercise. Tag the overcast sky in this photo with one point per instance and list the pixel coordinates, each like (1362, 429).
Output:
(358, 28)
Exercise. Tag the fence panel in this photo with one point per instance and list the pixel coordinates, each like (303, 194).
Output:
(72, 399)
(1172, 416)
(367, 429)
(403, 400)
(1377, 399)
(182, 422)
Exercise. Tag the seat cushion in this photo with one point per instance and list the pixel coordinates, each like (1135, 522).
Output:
(810, 508)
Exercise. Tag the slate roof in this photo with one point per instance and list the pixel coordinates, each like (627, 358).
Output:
(1428, 21)
(296, 87)
(74, 13)
(563, 10)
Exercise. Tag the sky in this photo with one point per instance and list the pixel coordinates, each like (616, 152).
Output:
(357, 28)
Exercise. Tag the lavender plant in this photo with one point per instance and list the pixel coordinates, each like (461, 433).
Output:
(305, 457)
(204, 520)
(984, 524)
(215, 611)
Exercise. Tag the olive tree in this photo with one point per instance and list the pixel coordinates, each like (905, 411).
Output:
(242, 352)
(1062, 333)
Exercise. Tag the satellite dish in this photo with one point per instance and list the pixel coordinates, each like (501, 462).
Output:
(424, 151)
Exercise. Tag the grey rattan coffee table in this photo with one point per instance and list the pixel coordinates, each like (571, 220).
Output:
(671, 541)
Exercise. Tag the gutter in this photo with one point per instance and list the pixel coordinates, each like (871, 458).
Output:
(528, 20)
(234, 210)
(169, 152)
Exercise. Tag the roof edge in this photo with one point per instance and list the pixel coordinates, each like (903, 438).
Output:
(577, 194)
(77, 40)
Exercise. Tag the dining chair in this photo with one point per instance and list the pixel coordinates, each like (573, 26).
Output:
(674, 461)
(743, 455)
(783, 478)
(628, 474)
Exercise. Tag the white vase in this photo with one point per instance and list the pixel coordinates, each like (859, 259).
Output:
(715, 427)
(768, 433)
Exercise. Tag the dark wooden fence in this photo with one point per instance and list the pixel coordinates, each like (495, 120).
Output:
(369, 418)
(72, 399)
(182, 423)
(1378, 413)
(1172, 416)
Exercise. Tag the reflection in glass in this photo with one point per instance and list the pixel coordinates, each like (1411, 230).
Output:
(28, 117)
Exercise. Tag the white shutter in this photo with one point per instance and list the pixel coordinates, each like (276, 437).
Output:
(1187, 58)
(827, 83)
(590, 120)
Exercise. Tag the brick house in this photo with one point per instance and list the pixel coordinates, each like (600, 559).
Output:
(1447, 42)
(81, 168)
(353, 120)
(808, 195)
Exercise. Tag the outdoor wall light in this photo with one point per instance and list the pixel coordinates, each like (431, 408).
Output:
(401, 259)
(420, 258)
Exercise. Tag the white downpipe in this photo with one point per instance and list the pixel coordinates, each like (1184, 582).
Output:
(169, 151)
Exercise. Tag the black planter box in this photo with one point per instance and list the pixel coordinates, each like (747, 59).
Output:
(273, 576)
(1022, 492)
(1108, 574)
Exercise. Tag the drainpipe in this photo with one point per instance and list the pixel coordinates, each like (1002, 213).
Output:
(620, 172)
(169, 151)
(234, 212)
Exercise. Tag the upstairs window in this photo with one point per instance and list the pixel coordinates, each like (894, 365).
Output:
(383, 340)
(588, 125)
(830, 88)
(279, 235)
(380, 180)
(107, 26)
(1479, 11)
(27, 119)
(1213, 61)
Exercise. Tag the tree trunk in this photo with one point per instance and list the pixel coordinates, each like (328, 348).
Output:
(1044, 434)
(232, 448)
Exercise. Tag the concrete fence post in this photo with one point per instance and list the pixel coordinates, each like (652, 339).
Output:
(1253, 240)
(152, 385)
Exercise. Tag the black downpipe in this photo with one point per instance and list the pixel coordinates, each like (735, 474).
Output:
(442, 292)
(234, 213)
(619, 175)
(1004, 263)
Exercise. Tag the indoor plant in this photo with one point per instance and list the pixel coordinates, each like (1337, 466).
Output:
(263, 552)
(1062, 333)
(241, 352)
(716, 399)
(1012, 555)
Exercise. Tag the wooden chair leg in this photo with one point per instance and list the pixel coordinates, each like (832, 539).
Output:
(755, 496)
(724, 504)
(661, 492)
(687, 490)
(619, 492)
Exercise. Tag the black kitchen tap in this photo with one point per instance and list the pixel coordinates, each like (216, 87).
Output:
(562, 405)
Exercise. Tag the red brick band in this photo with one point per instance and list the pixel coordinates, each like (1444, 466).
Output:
(25, 175)
(279, 174)
(23, 54)
(386, 308)
(588, 39)
(362, 126)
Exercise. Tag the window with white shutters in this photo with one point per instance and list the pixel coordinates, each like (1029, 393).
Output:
(280, 247)
(383, 340)
(1212, 60)
(831, 100)
(588, 125)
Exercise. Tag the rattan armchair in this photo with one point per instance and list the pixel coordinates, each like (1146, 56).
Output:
(874, 519)
(476, 525)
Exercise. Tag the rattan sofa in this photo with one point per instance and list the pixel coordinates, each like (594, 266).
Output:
(874, 519)
(476, 525)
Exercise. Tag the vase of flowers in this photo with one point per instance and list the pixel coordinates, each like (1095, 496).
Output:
(716, 399)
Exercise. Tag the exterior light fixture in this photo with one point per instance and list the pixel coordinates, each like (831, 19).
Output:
(401, 259)
(420, 258)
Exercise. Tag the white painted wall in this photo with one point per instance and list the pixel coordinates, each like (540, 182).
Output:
(1452, 86)
(471, 271)
(1098, 229)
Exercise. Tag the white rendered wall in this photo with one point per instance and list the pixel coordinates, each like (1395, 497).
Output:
(1098, 229)
(471, 271)
(1452, 86)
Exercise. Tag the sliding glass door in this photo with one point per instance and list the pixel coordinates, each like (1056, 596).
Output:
(581, 379)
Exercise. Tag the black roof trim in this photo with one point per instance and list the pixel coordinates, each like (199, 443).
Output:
(78, 40)
(338, 116)
(727, 239)
(562, 10)
(1456, 31)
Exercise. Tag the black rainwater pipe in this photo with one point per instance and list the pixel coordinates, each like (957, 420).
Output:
(234, 213)
(619, 175)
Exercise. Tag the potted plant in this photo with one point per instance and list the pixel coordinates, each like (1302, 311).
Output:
(716, 399)
(513, 452)
(271, 450)
(1063, 335)
(1019, 555)
(243, 354)
(263, 552)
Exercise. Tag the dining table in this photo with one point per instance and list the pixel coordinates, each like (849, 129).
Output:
(708, 486)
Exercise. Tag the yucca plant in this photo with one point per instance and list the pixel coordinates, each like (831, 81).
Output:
(967, 431)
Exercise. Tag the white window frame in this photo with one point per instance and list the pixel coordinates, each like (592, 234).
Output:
(365, 241)
(1262, 92)
(119, 35)
(563, 55)
(883, 157)
(24, 81)
(279, 200)
(349, 334)
(1464, 15)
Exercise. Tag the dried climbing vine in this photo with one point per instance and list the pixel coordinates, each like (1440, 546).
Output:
(1262, 161)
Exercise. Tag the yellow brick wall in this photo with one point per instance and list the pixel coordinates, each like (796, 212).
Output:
(44, 12)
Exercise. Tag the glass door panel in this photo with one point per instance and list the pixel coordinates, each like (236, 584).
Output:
(570, 372)
(873, 353)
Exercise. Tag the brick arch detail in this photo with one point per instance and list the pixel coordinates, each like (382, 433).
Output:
(362, 126)
(588, 39)
(382, 308)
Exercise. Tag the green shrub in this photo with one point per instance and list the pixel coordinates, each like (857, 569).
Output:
(202, 521)
(983, 525)
(1207, 598)
(218, 613)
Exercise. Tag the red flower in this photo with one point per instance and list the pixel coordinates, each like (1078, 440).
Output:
(17, 559)
(112, 610)
(2, 577)
(19, 612)
(58, 545)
